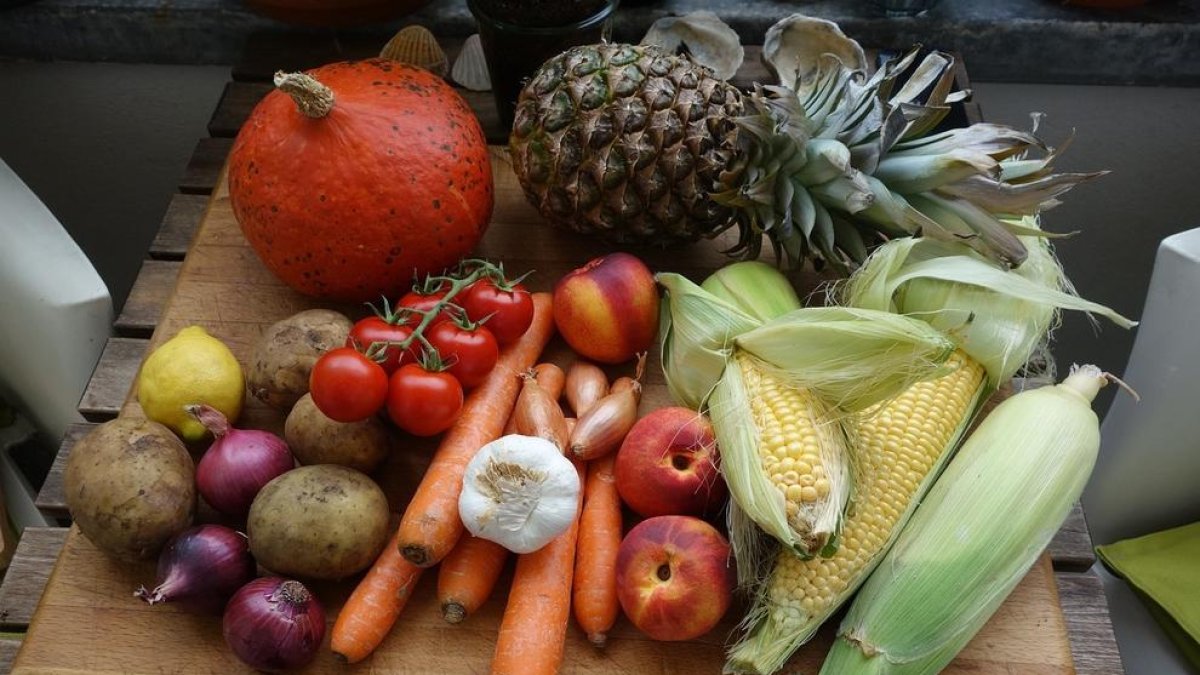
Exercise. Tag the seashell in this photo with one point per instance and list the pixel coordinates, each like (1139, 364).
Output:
(709, 40)
(470, 68)
(417, 46)
(793, 48)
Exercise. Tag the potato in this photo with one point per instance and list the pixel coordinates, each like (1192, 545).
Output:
(130, 486)
(317, 439)
(285, 354)
(318, 522)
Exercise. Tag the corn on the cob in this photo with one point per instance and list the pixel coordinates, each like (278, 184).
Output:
(957, 561)
(771, 400)
(898, 445)
(999, 319)
(801, 448)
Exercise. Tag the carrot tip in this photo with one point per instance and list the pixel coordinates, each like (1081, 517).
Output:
(416, 554)
(453, 612)
(598, 639)
(341, 658)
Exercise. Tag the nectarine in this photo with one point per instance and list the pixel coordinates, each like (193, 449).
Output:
(607, 310)
(667, 465)
(675, 577)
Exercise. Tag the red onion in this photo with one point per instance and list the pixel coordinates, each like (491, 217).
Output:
(200, 568)
(274, 624)
(238, 463)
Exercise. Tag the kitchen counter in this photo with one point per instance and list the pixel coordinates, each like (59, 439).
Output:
(1012, 41)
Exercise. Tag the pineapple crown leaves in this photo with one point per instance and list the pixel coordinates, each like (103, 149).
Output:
(965, 184)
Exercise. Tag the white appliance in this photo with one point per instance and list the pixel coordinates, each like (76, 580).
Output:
(1148, 475)
(55, 316)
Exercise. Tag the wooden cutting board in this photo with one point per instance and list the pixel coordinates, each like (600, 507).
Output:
(89, 622)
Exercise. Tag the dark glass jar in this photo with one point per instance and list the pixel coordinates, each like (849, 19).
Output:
(518, 36)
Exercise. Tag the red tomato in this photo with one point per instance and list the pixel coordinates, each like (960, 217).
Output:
(347, 386)
(470, 352)
(376, 329)
(425, 303)
(421, 402)
(511, 311)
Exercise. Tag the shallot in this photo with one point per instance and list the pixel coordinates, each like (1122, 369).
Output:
(274, 624)
(200, 568)
(238, 463)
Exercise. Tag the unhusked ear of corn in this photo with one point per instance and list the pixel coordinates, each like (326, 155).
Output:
(779, 403)
(976, 534)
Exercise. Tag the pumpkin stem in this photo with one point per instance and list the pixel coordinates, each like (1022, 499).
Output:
(314, 99)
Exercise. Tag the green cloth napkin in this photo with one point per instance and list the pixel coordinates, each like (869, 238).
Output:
(1164, 569)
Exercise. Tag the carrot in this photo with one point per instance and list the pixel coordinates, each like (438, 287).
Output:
(431, 526)
(533, 632)
(467, 576)
(372, 609)
(595, 595)
(551, 379)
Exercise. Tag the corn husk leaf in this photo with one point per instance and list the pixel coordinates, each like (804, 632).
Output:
(851, 358)
(1000, 318)
(756, 288)
(697, 330)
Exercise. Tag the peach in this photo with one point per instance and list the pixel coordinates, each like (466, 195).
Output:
(667, 465)
(675, 577)
(607, 310)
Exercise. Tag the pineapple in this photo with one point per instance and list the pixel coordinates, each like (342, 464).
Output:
(644, 147)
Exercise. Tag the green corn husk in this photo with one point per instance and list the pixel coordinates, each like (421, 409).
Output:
(957, 560)
(1000, 318)
(756, 288)
(846, 358)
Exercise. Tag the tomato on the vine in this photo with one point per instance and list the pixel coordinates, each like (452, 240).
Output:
(347, 386)
(426, 302)
(374, 329)
(470, 350)
(423, 402)
(510, 307)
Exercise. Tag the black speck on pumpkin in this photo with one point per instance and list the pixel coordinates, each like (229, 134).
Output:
(437, 204)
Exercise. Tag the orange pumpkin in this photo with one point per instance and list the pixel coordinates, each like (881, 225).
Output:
(348, 179)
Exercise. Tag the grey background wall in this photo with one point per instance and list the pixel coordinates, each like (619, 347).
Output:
(104, 144)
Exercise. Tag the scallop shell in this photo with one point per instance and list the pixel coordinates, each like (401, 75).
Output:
(470, 68)
(417, 46)
(709, 40)
(793, 48)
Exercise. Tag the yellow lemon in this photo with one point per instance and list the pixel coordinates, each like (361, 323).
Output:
(192, 367)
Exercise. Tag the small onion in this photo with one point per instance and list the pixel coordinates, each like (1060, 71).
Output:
(274, 624)
(200, 568)
(238, 463)
(601, 429)
(586, 385)
(537, 414)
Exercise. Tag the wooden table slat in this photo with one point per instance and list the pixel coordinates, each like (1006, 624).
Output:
(1085, 609)
(178, 226)
(26, 578)
(52, 498)
(107, 390)
(8, 653)
(1071, 549)
(204, 167)
(146, 299)
(238, 99)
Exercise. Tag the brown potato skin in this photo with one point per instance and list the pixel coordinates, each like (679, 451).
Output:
(317, 439)
(318, 522)
(284, 356)
(130, 487)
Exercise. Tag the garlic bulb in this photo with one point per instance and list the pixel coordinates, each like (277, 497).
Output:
(520, 492)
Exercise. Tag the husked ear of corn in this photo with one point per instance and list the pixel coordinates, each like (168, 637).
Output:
(976, 534)
(779, 403)
(901, 444)
(896, 451)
